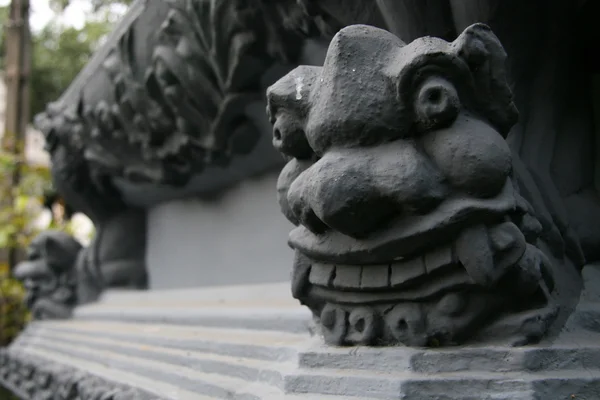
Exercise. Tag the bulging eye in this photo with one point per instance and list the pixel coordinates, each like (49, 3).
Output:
(437, 103)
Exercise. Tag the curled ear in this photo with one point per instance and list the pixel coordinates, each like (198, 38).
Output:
(483, 53)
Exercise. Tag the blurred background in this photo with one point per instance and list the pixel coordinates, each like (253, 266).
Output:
(43, 46)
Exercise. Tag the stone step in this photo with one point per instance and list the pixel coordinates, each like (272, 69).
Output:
(250, 344)
(264, 345)
(261, 307)
(160, 389)
(489, 359)
(227, 376)
(157, 390)
(250, 370)
(293, 320)
(185, 381)
(213, 385)
(556, 385)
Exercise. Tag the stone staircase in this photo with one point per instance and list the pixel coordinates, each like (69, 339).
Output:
(247, 350)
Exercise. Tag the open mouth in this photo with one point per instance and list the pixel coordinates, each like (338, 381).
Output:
(407, 235)
(479, 257)
(413, 279)
(438, 293)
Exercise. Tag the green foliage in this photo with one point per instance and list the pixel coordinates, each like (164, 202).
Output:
(59, 52)
(13, 313)
(20, 204)
(20, 208)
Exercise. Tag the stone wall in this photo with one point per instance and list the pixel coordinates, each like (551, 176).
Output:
(237, 237)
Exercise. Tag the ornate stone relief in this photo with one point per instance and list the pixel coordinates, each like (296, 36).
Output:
(410, 225)
(49, 275)
(163, 119)
(186, 109)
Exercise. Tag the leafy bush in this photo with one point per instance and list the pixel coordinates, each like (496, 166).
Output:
(21, 205)
(20, 208)
(13, 313)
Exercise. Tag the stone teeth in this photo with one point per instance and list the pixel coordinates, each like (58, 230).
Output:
(380, 276)
(347, 276)
(402, 272)
(375, 277)
(321, 274)
(438, 258)
(350, 276)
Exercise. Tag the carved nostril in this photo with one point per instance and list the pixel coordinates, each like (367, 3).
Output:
(305, 214)
(437, 104)
(289, 137)
(358, 216)
(297, 198)
(311, 221)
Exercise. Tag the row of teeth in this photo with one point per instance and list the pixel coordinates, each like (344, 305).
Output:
(395, 274)
(485, 252)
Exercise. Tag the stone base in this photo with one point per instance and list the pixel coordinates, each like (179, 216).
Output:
(253, 342)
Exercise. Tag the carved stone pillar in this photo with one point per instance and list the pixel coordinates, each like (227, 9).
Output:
(116, 256)
(411, 226)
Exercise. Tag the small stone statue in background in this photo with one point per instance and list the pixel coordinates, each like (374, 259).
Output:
(49, 275)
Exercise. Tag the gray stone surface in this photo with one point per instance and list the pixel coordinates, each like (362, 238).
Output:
(230, 358)
(239, 237)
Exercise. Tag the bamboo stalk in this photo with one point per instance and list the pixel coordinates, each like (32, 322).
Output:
(17, 77)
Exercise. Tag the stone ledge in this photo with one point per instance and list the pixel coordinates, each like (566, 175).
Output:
(161, 358)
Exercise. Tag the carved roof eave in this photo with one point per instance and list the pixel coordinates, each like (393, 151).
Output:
(168, 95)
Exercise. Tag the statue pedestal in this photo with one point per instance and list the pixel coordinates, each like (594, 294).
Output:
(254, 342)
